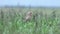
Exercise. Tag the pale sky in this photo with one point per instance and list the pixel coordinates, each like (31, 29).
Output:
(31, 2)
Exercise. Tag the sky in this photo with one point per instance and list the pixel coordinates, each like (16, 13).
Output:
(53, 3)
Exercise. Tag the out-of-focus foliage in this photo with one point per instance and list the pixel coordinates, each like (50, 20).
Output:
(44, 21)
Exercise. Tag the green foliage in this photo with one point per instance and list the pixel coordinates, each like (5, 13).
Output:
(44, 21)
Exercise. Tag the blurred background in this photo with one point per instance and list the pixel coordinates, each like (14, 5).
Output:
(45, 17)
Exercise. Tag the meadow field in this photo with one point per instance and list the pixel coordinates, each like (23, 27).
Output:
(47, 21)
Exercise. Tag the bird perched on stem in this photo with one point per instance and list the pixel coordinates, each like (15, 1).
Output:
(28, 16)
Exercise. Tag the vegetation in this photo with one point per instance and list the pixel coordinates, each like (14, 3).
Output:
(44, 21)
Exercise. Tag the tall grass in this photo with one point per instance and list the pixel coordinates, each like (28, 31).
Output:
(43, 21)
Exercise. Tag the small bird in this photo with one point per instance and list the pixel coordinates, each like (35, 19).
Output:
(28, 16)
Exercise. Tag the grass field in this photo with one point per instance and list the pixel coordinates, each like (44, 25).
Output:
(47, 21)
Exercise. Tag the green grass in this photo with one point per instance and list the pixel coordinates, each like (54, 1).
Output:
(47, 21)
